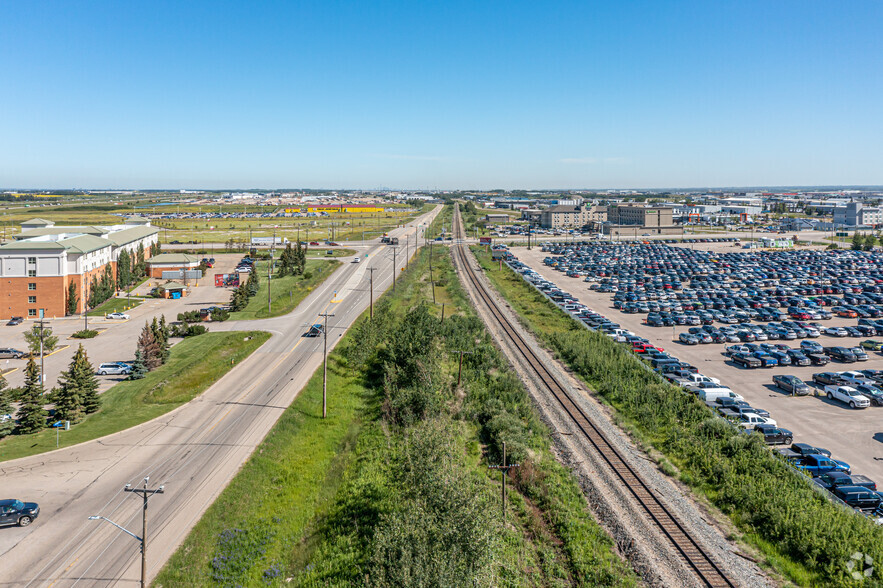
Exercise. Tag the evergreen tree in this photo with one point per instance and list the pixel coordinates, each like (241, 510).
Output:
(124, 270)
(856, 241)
(31, 414)
(79, 389)
(6, 426)
(869, 241)
(166, 334)
(139, 368)
(149, 348)
(33, 339)
(72, 298)
(140, 268)
(159, 335)
(252, 284)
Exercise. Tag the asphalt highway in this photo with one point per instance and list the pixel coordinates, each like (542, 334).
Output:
(193, 451)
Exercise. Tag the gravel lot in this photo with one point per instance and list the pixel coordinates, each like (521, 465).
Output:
(855, 436)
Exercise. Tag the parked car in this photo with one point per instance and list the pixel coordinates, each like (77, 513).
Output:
(841, 354)
(773, 435)
(792, 384)
(16, 512)
(117, 316)
(816, 465)
(857, 497)
(688, 339)
(749, 420)
(833, 479)
(804, 449)
(746, 361)
(859, 353)
(13, 321)
(871, 392)
(10, 353)
(114, 368)
(872, 345)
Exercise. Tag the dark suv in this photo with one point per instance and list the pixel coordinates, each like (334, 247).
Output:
(16, 512)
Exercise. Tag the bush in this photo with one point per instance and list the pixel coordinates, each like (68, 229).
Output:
(187, 330)
(220, 315)
(85, 334)
(191, 316)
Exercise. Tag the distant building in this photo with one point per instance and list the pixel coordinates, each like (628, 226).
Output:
(855, 214)
(566, 216)
(643, 216)
(165, 262)
(37, 268)
(498, 219)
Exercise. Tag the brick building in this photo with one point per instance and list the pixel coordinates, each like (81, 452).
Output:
(37, 268)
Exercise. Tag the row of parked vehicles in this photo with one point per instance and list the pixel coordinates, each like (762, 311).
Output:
(827, 473)
(756, 355)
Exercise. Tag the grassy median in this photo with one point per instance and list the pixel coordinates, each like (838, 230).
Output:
(286, 293)
(115, 305)
(195, 364)
(321, 501)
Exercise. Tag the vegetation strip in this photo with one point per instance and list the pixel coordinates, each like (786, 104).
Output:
(802, 534)
(286, 292)
(194, 365)
(394, 487)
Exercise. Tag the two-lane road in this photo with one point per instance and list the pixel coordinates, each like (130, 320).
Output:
(194, 451)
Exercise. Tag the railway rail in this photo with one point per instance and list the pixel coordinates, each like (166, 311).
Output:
(696, 558)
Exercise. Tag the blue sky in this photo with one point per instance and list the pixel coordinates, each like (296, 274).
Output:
(440, 95)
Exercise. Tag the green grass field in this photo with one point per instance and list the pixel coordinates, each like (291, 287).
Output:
(195, 364)
(286, 293)
(115, 305)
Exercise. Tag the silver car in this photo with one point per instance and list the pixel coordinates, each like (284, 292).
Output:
(114, 368)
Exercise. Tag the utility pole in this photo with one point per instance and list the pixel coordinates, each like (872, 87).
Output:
(145, 493)
(371, 295)
(325, 366)
(460, 368)
(42, 372)
(394, 268)
(269, 269)
(504, 469)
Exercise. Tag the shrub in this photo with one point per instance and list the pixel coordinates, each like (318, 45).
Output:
(85, 334)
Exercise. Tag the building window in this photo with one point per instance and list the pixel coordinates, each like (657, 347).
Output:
(32, 273)
(32, 260)
(32, 312)
(32, 300)
(32, 285)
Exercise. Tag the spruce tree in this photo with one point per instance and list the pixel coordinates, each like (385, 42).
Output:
(159, 335)
(149, 348)
(139, 368)
(7, 425)
(72, 298)
(31, 414)
(166, 332)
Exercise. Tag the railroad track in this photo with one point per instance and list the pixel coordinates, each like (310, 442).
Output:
(690, 550)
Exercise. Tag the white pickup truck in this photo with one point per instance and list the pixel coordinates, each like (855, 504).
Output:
(847, 395)
(748, 420)
(699, 379)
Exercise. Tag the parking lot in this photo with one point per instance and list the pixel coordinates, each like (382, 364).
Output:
(852, 435)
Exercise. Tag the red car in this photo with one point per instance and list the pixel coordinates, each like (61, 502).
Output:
(316, 243)
(641, 347)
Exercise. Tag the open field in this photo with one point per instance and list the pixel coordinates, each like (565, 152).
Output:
(286, 293)
(194, 365)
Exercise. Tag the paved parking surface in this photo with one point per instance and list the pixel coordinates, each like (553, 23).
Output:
(855, 436)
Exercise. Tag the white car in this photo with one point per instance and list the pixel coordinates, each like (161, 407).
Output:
(117, 316)
(356, 260)
(114, 368)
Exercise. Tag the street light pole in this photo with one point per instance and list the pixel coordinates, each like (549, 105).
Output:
(325, 366)
(145, 493)
(371, 295)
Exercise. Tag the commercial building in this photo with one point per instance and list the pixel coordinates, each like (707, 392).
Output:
(566, 216)
(37, 268)
(498, 218)
(856, 214)
(626, 219)
(166, 262)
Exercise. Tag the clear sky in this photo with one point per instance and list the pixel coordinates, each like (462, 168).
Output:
(477, 94)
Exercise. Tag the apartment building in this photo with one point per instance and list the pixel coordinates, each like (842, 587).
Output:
(567, 216)
(37, 268)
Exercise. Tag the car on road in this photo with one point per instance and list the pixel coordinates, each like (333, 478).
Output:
(16, 512)
(10, 353)
(114, 368)
(773, 435)
(117, 316)
(792, 384)
(314, 243)
(356, 260)
(847, 395)
(315, 330)
(13, 321)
